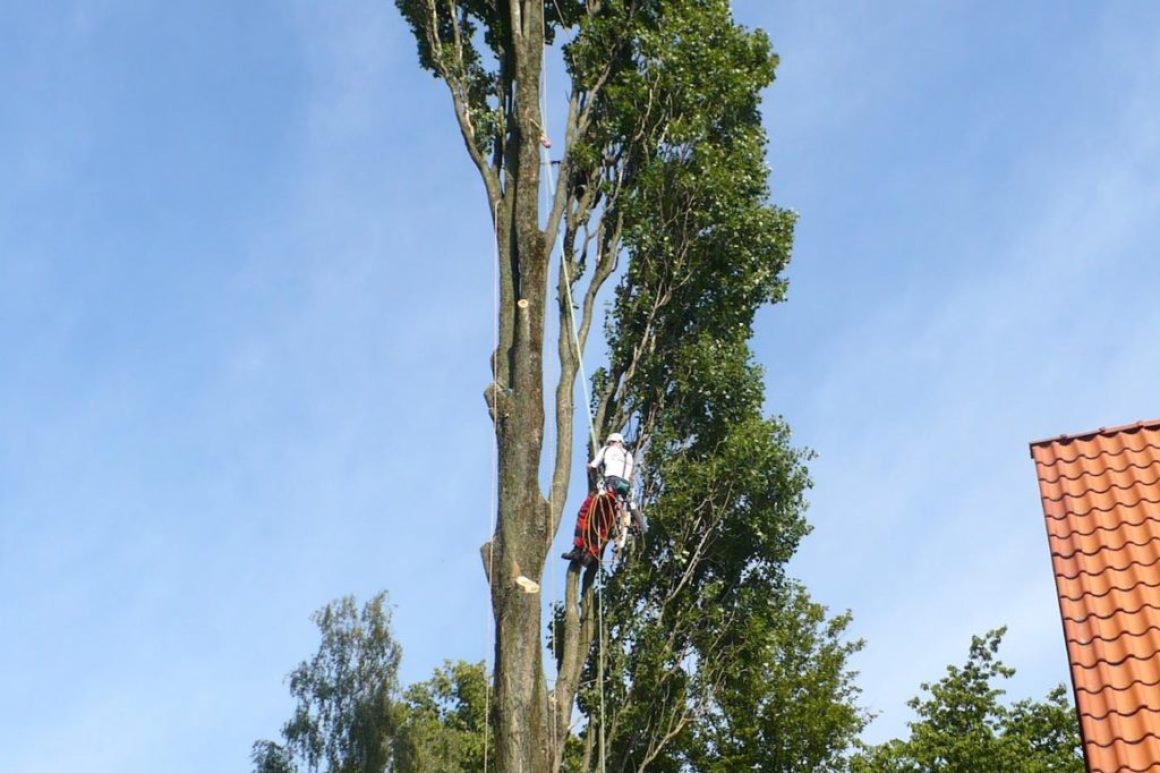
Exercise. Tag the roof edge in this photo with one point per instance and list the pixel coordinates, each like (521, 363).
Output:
(1146, 424)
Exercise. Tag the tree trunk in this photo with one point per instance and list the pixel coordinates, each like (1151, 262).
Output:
(528, 737)
(523, 525)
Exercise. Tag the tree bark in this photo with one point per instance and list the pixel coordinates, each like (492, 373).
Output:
(522, 534)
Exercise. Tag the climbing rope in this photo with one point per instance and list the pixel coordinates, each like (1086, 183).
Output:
(546, 161)
(546, 203)
(493, 504)
(579, 353)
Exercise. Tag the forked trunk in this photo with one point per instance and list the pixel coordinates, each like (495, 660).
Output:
(523, 524)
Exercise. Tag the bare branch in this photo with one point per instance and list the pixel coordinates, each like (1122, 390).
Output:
(579, 632)
(570, 359)
(454, 78)
(489, 175)
(561, 194)
(565, 406)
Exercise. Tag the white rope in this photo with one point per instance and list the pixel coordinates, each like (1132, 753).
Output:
(600, 658)
(493, 504)
(547, 162)
(579, 352)
(546, 200)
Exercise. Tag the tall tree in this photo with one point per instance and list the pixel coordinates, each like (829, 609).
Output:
(660, 175)
(344, 719)
(963, 725)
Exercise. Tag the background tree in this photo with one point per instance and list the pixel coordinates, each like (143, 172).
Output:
(441, 722)
(963, 726)
(271, 757)
(350, 717)
(345, 718)
(661, 175)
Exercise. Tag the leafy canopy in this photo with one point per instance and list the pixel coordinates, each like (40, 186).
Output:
(963, 726)
(351, 718)
(442, 722)
(344, 720)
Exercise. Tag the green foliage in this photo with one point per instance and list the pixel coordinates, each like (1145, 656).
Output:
(270, 757)
(792, 706)
(350, 717)
(452, 51)
(1049, 732)
(706, 248)
(344, 720)
(442, 722)
(962, 726)
(716, 660)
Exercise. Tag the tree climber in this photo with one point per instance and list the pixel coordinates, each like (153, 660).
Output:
(598, 516)
(614, 463)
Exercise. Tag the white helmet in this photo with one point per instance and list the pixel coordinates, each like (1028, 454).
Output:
(615, 437)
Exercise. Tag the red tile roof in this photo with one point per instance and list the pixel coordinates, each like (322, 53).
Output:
(1101, 497)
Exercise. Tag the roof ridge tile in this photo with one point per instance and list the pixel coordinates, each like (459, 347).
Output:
(1105, 431)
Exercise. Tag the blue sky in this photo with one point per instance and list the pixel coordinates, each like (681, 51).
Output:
(245, 309)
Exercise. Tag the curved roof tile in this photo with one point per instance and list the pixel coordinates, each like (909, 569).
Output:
(1115, 463)
(1072, 563)
(1145, 478)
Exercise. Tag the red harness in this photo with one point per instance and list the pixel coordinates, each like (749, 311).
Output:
(598, 517)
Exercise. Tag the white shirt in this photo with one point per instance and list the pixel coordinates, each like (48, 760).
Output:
(616, 460)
